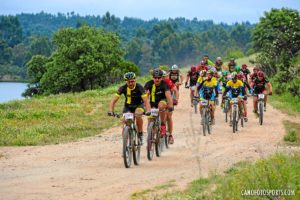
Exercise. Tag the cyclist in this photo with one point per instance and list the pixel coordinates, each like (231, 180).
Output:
(202, 66)
(175, 76)
(206, 60)
(135, 100)
(160, 97)
(220, 65)
(192, 77)
(207, 89)
(245, 71)
(231, 65)
(175, 102)
(242, 78)
(253, 76)
(259, 87)
(236, 89)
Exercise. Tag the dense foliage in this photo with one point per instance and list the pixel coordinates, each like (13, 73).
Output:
(277, 37)
(84, 58)
(146, 43)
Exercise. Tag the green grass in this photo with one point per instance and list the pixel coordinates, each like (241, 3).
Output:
(286, 102)
(58, 118)
(152, 193)
(277, 172)
(292, 136)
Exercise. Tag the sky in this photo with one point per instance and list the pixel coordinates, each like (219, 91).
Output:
(228, 11)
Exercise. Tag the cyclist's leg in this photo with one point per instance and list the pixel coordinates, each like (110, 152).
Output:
(201, 97)
(266, 98)
(212, 103)
(139, 119)
(255, 103)
(191, 95)
(162, 105)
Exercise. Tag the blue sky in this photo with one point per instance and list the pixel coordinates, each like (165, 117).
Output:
(228, 11)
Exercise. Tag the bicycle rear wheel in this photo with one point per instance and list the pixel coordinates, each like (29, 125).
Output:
(127, 150)
(208, 122)
(136, 149)
(150, 141)
(195, 106)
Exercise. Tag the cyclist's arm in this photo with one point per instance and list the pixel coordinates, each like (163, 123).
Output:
(113, 103)
(146, 102)
(270, 88)
(187, 78)
(176, 92)
(169, 98)
(181, 78)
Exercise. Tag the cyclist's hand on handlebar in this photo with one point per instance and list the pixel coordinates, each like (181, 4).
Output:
(110, 114)
(148, 113)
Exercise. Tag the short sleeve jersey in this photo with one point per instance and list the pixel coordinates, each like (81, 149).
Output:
(133, 97)
(260, 86)
(157, 93)
(193, 77)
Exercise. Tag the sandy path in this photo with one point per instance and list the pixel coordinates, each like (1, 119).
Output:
(93, 169)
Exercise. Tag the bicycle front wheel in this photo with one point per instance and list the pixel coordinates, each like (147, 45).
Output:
(127, 155)
(136, 149)
(234, 121)
(158, 142)
(261, 113)
(150, 141)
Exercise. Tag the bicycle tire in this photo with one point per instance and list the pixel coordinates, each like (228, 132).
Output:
(150, 141)
(242, 119)
(234, 120)
(167, 140)
(261, 113)
(136, 149)
(127, 155)
(158, 145)
(208, 122)
(203, 122)
(195, 106)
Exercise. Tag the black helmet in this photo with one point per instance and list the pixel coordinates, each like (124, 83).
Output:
(129, 76)
(157, 72)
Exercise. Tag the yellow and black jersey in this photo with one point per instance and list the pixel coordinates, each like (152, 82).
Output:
(157, 93)
(133, 96)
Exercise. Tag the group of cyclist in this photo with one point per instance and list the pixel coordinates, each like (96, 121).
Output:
(206, 81)
(209, 79)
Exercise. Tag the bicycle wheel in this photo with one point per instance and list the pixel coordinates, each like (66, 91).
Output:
(127, 155)
(167, 140)
(261, 112)
(226, 110)
(242, 119)
(158, 140)
(208, 122)
(234, 120)
(150, 141)
(203, 122)
(136, 149)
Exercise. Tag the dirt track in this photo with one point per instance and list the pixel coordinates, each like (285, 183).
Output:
(93, 169)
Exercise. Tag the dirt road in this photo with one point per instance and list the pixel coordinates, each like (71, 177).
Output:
(93, 169)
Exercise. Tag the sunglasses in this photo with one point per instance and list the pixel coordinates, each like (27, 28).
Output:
(131, 81)
(156, 77)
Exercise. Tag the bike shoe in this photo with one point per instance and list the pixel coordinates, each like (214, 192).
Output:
(171, 139)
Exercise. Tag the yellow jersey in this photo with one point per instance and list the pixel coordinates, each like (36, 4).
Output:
(235, 85)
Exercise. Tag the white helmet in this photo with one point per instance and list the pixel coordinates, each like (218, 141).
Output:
(164, 73)
(219, 58)
(174, 67)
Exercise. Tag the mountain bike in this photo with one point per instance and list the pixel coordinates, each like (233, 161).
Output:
(154, 139)
(195, 100)
(206, 116)
(131, 142)
(260, 107)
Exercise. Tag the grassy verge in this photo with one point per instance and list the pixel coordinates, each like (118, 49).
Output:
(57, 118)
(279, 172)
(286, 103)
(292, 136)
(152, 193)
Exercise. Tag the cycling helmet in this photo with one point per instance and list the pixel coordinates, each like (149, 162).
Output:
(174, 67)
(193, 68)
(225, 73)
(129, 76)
(237, 68)
(260, 74)
(234, 75)
(240, 76)
(202, 63)
(157, 72)
(164, 73)
(232, 59)
(219, 58)
(244, 66)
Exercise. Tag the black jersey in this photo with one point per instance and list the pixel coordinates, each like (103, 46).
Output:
(157, 93)
(174, 76)
(260, 86)
(193, 77)
(133, 96)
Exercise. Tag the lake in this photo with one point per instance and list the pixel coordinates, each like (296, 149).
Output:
(11, 91)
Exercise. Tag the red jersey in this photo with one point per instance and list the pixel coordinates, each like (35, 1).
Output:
(169, 83)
